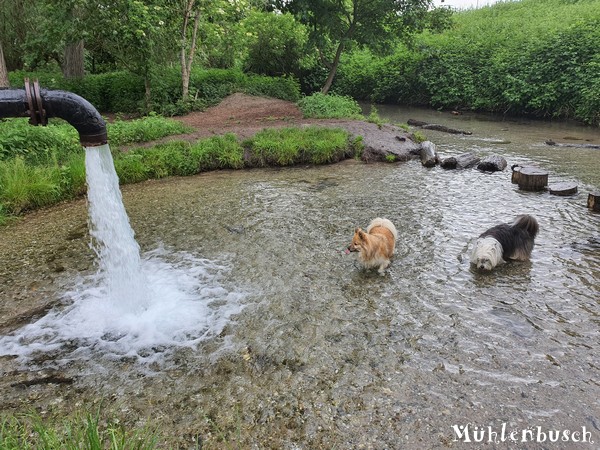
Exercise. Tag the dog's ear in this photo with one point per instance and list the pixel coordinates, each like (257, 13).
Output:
(361, 233)
(357, 229)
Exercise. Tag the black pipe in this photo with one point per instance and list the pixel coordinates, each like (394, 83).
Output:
(40, 104)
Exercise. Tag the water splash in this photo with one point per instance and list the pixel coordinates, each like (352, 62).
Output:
(138, 307)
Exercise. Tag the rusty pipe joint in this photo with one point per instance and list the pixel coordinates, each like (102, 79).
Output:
(41, 104)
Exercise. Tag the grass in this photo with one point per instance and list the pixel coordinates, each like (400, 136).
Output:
(30, 431)
(374, 117)
(288, 146)
(145, 129)
(330, 106)
(47, 165)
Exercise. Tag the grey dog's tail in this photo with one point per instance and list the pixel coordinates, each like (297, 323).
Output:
(528, 224)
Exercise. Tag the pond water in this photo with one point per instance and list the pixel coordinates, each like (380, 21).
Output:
(319, 353)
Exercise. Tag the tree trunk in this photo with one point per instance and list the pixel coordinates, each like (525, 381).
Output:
(563, 189)
(594, 201)
(333, 70)
(3, 72)
(73, 61)
(532, 179)
(148, 90)
(187, 59)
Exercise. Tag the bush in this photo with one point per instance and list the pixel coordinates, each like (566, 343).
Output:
(284, 88)
(276, 44)
(124, 92)
(331, 106)
(37, 145)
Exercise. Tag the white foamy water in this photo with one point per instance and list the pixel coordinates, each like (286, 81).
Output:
(135, 306)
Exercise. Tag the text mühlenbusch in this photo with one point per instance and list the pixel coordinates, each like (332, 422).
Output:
(489, 434)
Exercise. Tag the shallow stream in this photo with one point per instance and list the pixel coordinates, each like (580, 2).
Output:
(310, 351)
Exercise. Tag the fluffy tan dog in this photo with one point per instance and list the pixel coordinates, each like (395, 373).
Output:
(375, 246)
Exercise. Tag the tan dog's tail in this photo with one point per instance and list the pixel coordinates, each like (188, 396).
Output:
(385, 223)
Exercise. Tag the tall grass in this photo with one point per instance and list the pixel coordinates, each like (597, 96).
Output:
(45, 180)
(331, 106)
(40, 166)
(24, 187)
(31, 432)
(287, 146)
(146, 129)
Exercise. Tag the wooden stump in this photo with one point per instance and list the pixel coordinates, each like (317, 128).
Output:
(532, 179)
(516, 171)
(563, 189)
(492, 163)
(429, 156)
(462, 161)
(594, 201)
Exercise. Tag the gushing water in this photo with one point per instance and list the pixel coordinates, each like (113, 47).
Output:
(139, 306)
(115, 245)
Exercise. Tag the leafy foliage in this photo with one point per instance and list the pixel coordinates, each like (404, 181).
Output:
(276, 44)
(527, 57)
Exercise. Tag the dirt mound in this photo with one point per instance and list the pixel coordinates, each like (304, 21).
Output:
(241, 110)
(245, 115)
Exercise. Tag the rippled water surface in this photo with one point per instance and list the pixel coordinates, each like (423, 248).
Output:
(324, 354)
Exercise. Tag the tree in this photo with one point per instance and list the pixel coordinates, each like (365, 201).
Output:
(188, 51)
(3, 72)
(73, 66)
(135, 34)
(276, 43)
(336, 24)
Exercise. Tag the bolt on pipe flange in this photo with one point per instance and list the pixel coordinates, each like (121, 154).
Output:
(37, 114)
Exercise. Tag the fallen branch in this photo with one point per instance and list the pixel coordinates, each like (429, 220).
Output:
(436, 127)
(556, 144)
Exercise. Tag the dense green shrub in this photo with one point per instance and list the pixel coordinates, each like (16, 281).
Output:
(108, 92)
(537, 57)
(331, 106)
(37, 145)
(276, 44)
(124, 92)
(358, 75)
(284, 88)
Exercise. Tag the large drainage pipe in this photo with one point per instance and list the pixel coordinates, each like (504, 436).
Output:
(41, 104)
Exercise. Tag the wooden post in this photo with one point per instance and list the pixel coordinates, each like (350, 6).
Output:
(532, 179)
(516, 171)
(594, 201)
(563, 189)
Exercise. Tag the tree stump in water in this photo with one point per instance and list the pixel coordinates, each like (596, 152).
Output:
(492, 163)
(429, 156)
(594, 201)
(462, 161)
(563, 189)
(532, 179)
(516, 171)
